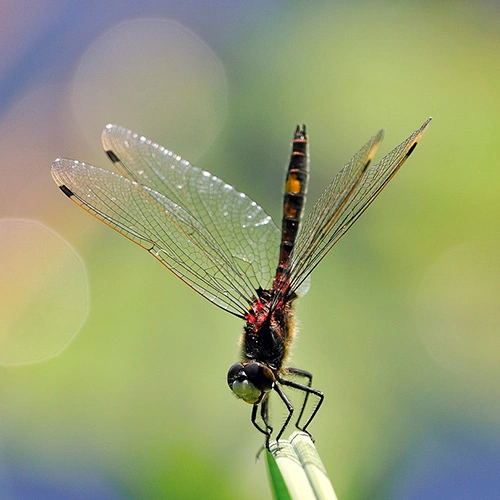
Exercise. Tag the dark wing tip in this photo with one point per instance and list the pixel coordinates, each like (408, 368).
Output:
(112, 156)
(418, 135)
(66, 190)
(412, 148)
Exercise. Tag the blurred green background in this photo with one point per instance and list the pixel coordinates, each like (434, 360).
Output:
(112, 383)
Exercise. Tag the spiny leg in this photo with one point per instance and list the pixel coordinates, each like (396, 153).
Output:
(290, 409)
(308, 375)
(308, 390)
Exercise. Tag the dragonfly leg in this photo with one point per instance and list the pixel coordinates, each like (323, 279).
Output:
(308, 390)
(289, 406)
(308, 375)
(264, 415)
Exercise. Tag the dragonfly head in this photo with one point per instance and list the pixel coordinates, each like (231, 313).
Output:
(250, 381)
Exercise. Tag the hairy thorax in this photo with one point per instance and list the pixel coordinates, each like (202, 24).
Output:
(269, 331)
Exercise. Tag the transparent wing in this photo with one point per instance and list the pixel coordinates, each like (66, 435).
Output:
(214, 238)
(240, 228)
(344, 200)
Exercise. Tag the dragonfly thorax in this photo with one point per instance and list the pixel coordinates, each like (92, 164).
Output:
(268, 332)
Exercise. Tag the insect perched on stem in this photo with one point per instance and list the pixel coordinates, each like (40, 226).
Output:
(225, 247)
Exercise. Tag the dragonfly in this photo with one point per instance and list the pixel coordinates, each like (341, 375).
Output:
(228, 249)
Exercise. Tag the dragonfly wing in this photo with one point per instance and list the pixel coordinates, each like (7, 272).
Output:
(240, 228)
(171, 233)
(344, 200)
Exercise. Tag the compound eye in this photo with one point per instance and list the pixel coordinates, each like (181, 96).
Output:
(237, 371)
(245, 390)
(238, 382)
(260, 375)
(250, 381)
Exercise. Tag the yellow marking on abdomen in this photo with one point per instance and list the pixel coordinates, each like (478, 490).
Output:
(293, 184)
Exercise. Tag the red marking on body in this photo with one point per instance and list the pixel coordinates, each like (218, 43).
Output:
(250, 317)
(258, 314)
(259, 306)
(280, 304)
(280, 274)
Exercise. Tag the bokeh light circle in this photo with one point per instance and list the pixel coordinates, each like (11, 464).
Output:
(44, 297)
(155, 77)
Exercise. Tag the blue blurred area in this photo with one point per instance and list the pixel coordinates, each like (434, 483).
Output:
(451, 462)
(401, 325)
(24, 479)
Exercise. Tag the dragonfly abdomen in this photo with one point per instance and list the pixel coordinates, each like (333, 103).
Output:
(295, 195)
